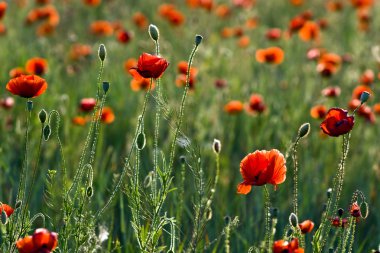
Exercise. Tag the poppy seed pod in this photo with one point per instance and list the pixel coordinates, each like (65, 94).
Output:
(29, 105)
(154, 33)
(106, 86)
(102, 52)
(198, 39)
(304, 130)
(42, 115)
(216, 146)
(293, 220)
(364, 96)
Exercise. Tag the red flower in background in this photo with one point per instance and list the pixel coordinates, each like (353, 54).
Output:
(107, 116)
(149, 66)
(256, 104)
(3, 8)
(306, 226)
(42, 241)
(28, 86)
(262, 167)
(332, 92)
(92, 2)
(272, 55)
(87, 104)
(143, 83)
(318, 111)
(124, 36)
(355, 210)
(309, 31)
(36, 66)
(282, 246)
(234, 107)
(7, 209)
(337, 122)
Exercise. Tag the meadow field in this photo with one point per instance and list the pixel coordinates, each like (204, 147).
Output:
(189, 126)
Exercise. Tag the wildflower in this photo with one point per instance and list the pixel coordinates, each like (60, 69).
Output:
(36, 66)
(309, 31)
(262, 167)
(306, 226)
(79, 51)
(244, 41)
(92, 2)
(368, 77)
(124, 36)
(141, 84)
(234, 107)
(355, 210)
(256, 104)
(361, 3)
(272, 55)
(7, 102)
(28, 86)
(318, 111)
(129, 63)
(376, 108)
(332, 91)
(223, 11)
(41, 241)
(149, 66)
(337, 122)
(3, 8)
(221, 83)
(339, 222)
(282, 246)
(79, 121)
(16, 72)
(140, 20)
(334, 5)
(7, 209)
(273, 34)
(101, 28)
(87, 104)
(243, 3)
(367, 113)
(107, 116)
(296, 24)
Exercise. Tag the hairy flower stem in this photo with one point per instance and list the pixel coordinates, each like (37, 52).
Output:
(128, 157)
(156, 129)
(267, 218)
(295, 177)
(182, 108)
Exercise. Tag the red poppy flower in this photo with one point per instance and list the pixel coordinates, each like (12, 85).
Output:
(244, 41)
(101, 28)
(256, 104)
(355, 210)
(338, 222)
(124, 36)
(282, 246)
(149, 66)
(28, 86)
(376, 108)
(7, 209)
(87, 104)
(368, 77)
(36, 66)
(16, 72)
(79, 120)
(140, 20)
(337, 122)
(306, 226)
(79, 51)
(107, 115)
(357, 92)
(3, 8)
(273, 34)
(309, 31)
(333, 91)
(7, 102)
(367, 113)
(92, 2)
(41, 241)
(318, 111)
(262, 167)
(142, 84)
(273, 55)
(234, 107)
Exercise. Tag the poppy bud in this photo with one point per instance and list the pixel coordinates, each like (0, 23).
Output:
(304, 130)
(364, 209)
(209, 214)
(216, 146)
(198, 39)
(274, 213)
(227, 220)
(47, 132)
(331, 250)
(182, 159)
(18, 204)
(154, 32)
(4, 217)
(140, 142)
(106, 86)
(324, 207)
(289, 232)
(89, 192)
(29, 105)
(340, 212)
(102, 52)
(42, 115)
(293, 220)
(329, 193)
(364, 97)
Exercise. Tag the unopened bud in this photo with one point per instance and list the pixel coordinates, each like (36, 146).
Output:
(198, 39)
(227, 220)
(274, 213)
(29, 105)
(141, 141)
(216, 146)
(340, 212)
(4, 217)
(331, 250)
(304, 130)
(89, 192)
(182, 159)
(364, 209)
(329, 193)
(154, 32)
(289, 232)
(42, 115)
(47, 132)
(102, 52)
(293, 220)
(18, 204)
(106, 86)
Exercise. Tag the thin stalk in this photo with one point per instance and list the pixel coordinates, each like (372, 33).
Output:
(267, 218)
(295, 177)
